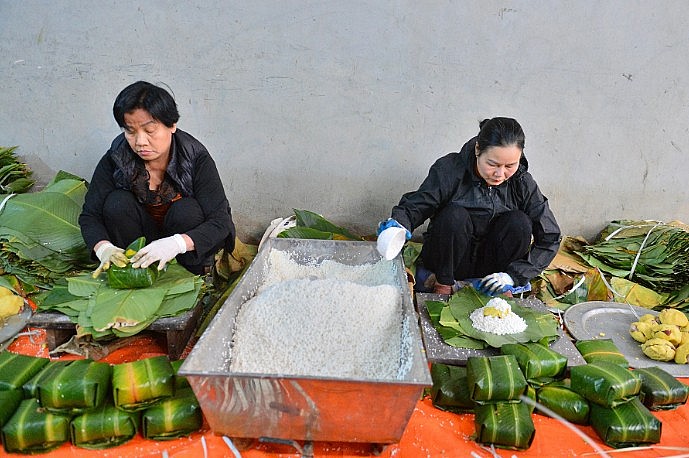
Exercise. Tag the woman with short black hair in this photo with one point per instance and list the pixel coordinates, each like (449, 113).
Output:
(158, 182)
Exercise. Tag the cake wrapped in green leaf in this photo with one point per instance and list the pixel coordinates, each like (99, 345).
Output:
(130, 277)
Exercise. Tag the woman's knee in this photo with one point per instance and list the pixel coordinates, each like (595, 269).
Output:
(452, 216)
(516, 222)
(119, 204)
(184, 214)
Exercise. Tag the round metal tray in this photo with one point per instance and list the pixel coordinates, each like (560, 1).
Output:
(611, 320)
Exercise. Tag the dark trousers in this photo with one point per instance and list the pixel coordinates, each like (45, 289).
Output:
(458, 246)
(127, 220)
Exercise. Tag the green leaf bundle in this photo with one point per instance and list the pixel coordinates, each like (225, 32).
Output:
(140, 384)
(651, 253)
(17, 369)
(606, 384)
(627, 425)
(174, 417)
(660, 390)
(40, 238)
(34, 430)
(494, 379)
(76, 387)
(15, 176)
(504, 425)
(103, 427)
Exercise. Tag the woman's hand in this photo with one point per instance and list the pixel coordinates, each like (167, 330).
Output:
(108, 253)
(162, 250)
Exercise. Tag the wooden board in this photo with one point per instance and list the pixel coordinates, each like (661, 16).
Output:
(176, 331)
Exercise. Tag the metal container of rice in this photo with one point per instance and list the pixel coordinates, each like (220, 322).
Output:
(319, 341)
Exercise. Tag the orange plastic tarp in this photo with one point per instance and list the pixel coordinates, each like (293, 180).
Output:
(430, 433)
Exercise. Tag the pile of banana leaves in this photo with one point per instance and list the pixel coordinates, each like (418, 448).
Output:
(103, 312)
(644, 263)
(40, 239)
(15, 176)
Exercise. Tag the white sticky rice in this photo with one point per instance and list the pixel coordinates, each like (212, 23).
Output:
(509, 324)
(328, 320)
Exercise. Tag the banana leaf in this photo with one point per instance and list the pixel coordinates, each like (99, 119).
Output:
(30, 388)
(76, 387)
(504, 425)
(40, 239)
(541, 326)
(628, 425)
(15, 176)
(311, 225)
(17, 369)
(34, 430)
(174, 417)
(494, 379)
(9, 401)
(595, 350)
(450, 390)
(660, 390)
(651, 253)
(103, 427)
(633, 293)
(104, 312)
(140, 384)
(130, 277)
(604, 383)
(539, 363)
(566, 403)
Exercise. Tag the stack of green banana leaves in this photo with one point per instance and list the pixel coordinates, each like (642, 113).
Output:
(452, 321)
(642, 263)
(40, 239)
(44, 404)
(103, 312)
(617, 413)
(15, 176)
(501, 419)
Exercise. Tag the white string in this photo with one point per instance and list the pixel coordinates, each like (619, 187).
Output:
(638, 254)
(4, 201)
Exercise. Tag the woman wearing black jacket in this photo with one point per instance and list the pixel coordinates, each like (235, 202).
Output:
(158, 182)
(488, 219)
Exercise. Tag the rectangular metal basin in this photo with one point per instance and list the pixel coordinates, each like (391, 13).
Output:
(311, 408)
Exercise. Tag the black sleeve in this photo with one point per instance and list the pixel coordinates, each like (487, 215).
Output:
(218, 228)
(102, 183)
(546, 234)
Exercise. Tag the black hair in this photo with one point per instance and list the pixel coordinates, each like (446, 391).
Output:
(500, 132)
(154, 99)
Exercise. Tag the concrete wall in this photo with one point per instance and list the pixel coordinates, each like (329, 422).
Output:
(341, 106)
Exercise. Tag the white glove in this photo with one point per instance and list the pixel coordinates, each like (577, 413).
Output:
(163, 250)
(495, 283)
(108, 253)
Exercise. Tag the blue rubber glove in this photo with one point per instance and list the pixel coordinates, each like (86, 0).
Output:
(391, 223)
(495, 284)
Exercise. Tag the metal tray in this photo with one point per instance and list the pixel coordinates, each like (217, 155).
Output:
(611, 320)
(11, 326)
(369, 410)
(440, 352)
